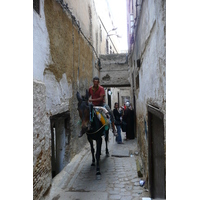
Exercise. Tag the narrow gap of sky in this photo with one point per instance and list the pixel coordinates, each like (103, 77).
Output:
(118, 10)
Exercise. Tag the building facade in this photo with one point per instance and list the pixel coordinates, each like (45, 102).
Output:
(109, 36)
(146, 27)
(66, 47)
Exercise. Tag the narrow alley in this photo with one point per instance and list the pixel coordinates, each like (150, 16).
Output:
(119, 179)
(123, 46)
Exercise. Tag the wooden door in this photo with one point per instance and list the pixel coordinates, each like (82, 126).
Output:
(157, 170)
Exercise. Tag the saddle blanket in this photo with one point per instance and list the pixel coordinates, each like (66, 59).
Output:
(103, 116)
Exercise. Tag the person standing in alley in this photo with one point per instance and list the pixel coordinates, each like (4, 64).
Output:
(117, 114)
(128, 117)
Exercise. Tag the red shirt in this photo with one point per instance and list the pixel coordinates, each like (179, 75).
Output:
(97, 94)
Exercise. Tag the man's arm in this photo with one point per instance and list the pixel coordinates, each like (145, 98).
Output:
(101, 98)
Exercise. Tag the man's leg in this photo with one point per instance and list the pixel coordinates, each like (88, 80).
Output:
(119, 138)
(111, 119)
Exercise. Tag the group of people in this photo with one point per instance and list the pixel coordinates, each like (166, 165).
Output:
(124, 116)
(118, 116)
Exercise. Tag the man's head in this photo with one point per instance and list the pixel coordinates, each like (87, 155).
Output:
(96, 81)
(116, 105)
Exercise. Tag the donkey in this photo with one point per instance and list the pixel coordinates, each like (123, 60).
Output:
(95, 132)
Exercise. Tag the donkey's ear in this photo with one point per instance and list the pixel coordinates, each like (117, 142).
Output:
(87, 95)
(78, 96)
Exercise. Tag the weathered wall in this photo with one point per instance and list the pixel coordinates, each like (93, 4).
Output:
(41, 51)
(114, 75)
(71, 67)
(124, 94)
(150, 76)
(41, 123)
(115, 70)
(88, 12)
(41, 142)
(85, 12)
(72, 58)
(63, 63)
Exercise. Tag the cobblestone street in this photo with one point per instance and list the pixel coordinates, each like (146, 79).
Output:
(119, 178)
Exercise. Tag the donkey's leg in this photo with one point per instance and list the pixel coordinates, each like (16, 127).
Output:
(106, 141)
(98, 173)
(92, 151)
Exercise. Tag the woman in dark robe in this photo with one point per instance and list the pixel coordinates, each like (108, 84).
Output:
(129, 119)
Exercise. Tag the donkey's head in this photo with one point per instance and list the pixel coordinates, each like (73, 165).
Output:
(83, 109)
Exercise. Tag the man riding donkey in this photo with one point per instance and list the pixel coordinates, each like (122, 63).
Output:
(97, 94)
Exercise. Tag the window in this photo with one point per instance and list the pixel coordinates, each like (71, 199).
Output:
(107, 50)
(36, 6)
(137, 82)
(138, 63)
(131, 23)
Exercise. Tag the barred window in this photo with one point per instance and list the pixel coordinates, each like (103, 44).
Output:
(36, 6)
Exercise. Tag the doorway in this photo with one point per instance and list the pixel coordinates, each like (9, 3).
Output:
(60, 137)
(157, 171)
(109, 98)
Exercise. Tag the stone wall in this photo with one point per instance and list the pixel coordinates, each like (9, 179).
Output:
(114, 76)
(71, 69)
(115, 70)
(41, 142)
(63, 63)
(148, 59)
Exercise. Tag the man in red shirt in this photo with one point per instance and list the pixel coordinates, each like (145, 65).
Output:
(97, 94)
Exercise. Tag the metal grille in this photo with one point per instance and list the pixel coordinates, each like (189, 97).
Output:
(36, 6)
